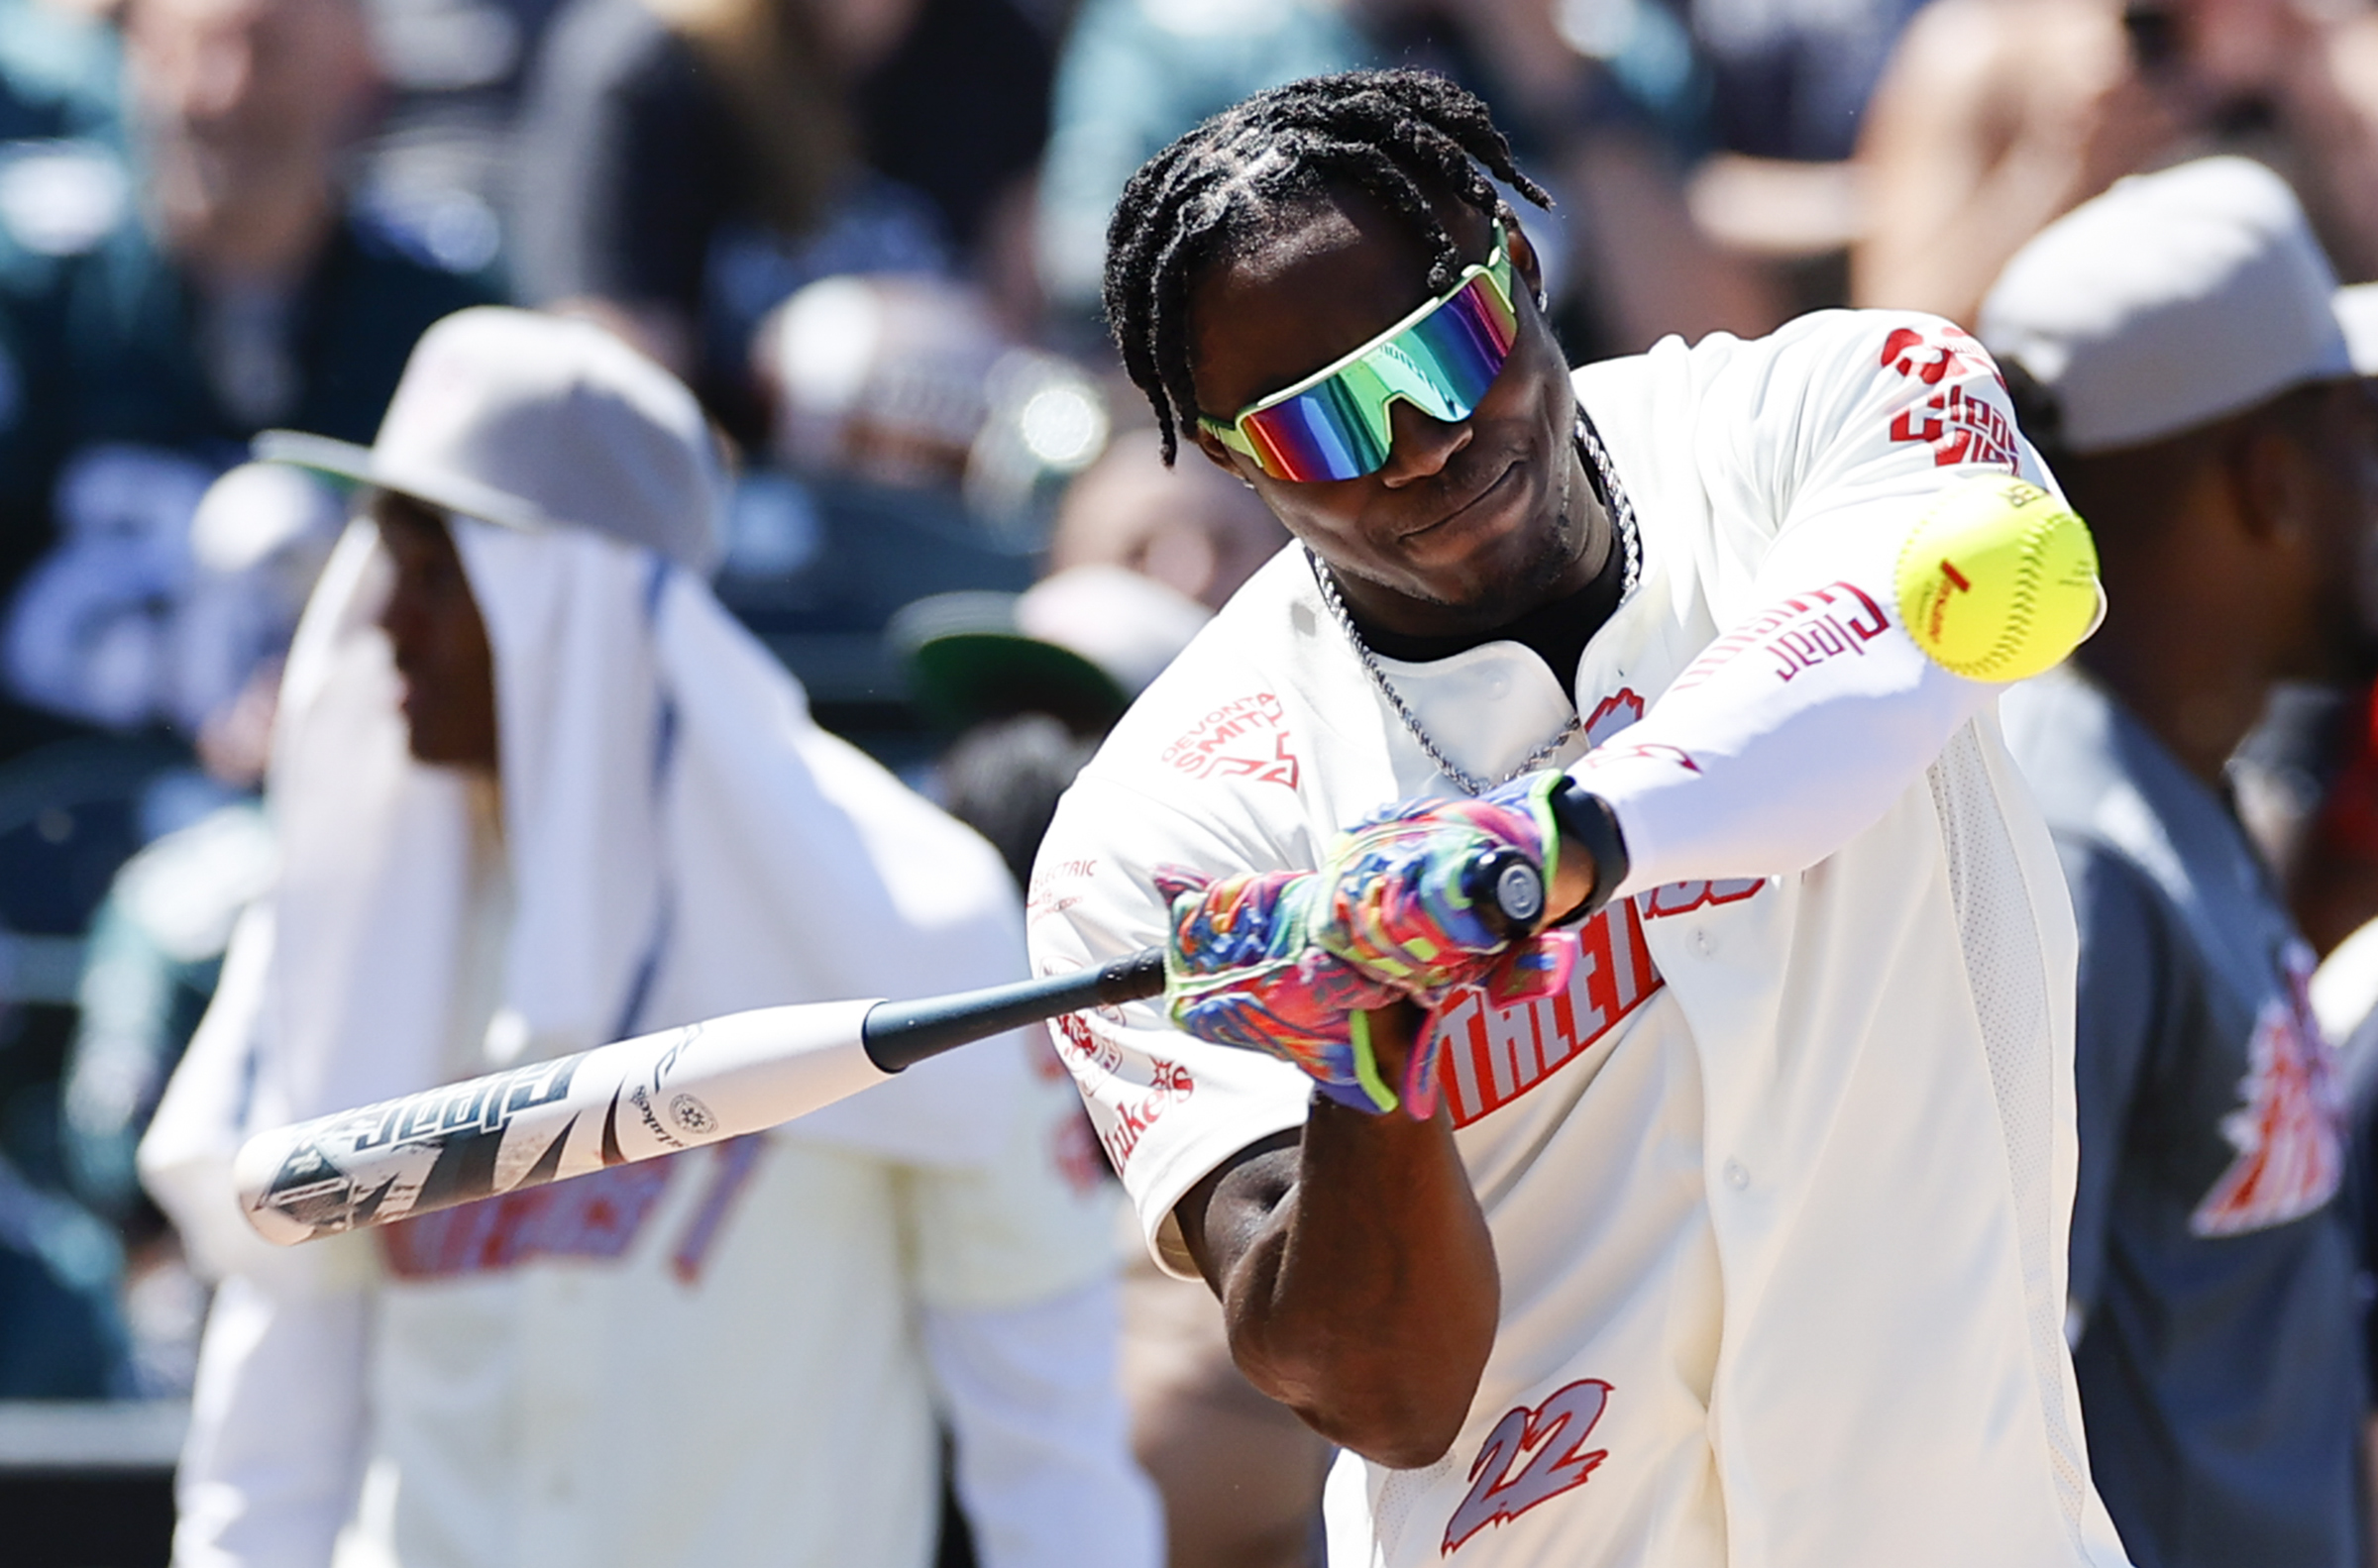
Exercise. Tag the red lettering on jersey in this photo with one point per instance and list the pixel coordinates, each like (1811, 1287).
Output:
(1242, 739)
(1056, 888)
(1682, 898)
(1555, 1455)
(1086, 1051)
(1933, 357)
(1169, 1084)
(1651, 751)
(1959, 428)
(2290, 1132)
(1612, 715)
(1495, 1055)
(1798, 634)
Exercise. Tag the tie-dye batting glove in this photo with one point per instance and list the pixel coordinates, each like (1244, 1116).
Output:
(1417, 900)
(1239, 970)
(1427, 893)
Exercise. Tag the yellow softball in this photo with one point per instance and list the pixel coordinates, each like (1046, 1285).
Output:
(1998, 580)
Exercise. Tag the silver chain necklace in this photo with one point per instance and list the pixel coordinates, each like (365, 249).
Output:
(1622, 515)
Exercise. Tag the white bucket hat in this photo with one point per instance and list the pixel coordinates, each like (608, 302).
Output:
(2173, 300)
(533, 421)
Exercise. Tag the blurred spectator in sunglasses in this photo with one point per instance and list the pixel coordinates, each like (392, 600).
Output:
(1997, 116)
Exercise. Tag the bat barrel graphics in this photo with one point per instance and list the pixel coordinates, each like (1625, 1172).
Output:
(634, 1100)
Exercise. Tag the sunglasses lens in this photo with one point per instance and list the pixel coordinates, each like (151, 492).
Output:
(1441, 364)
(1319, 434)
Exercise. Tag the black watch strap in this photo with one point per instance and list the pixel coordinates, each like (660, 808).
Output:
(1586, 819)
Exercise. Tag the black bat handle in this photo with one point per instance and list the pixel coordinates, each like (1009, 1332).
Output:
(898, 1034)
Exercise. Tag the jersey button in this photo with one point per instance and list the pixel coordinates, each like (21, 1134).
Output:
(1702, 943)
(1737, 1176)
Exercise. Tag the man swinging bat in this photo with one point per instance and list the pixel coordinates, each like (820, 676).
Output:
(1697, 1195)
(1722, 1220)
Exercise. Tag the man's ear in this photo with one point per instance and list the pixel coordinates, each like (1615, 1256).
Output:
(1217, 453)
(1524, 260)
(2270, 480)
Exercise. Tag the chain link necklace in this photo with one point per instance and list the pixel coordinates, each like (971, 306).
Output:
(1622, 516)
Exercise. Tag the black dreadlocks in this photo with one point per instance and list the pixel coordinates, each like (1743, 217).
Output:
(1244, 176)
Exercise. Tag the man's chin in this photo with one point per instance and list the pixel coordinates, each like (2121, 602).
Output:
(1510, 576)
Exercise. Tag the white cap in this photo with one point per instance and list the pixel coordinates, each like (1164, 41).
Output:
(2173, 300)
(534, 421)
(2357, 313)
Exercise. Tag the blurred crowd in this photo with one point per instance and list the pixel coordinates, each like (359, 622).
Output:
(868, 236)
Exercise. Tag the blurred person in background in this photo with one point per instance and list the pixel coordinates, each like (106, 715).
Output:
(1790, 80)
(61, 1333)
(684, 166)
(1199, 533)
(2313, 765)
(1610, 109)
(1130, 76)
(1995, 116)
(2177, 357)
(2316, 758)
(1609, 117)
(1029, 682)
(226, 288)
(533, 790)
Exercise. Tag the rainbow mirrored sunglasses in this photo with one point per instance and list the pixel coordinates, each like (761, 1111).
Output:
(1440, 359)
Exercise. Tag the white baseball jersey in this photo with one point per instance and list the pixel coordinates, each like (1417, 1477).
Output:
(1779, 1186)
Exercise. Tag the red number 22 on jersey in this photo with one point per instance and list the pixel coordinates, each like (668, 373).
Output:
(1553, 1438)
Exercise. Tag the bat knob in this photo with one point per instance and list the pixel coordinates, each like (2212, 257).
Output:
(1507, 883)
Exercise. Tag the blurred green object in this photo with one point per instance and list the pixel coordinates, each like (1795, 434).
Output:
(969, 660)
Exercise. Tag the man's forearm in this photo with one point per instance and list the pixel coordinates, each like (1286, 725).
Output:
(1357, 1279)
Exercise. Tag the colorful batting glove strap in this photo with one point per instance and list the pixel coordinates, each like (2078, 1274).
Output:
(1396, 900)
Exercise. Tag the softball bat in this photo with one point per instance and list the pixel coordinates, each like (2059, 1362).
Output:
(680, 1089)
(634, 1100)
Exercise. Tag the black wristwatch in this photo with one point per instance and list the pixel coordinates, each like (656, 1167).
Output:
(1586, 819)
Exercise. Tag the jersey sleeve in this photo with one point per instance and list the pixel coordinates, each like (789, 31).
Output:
(1167, 1109)
(1814, 709)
